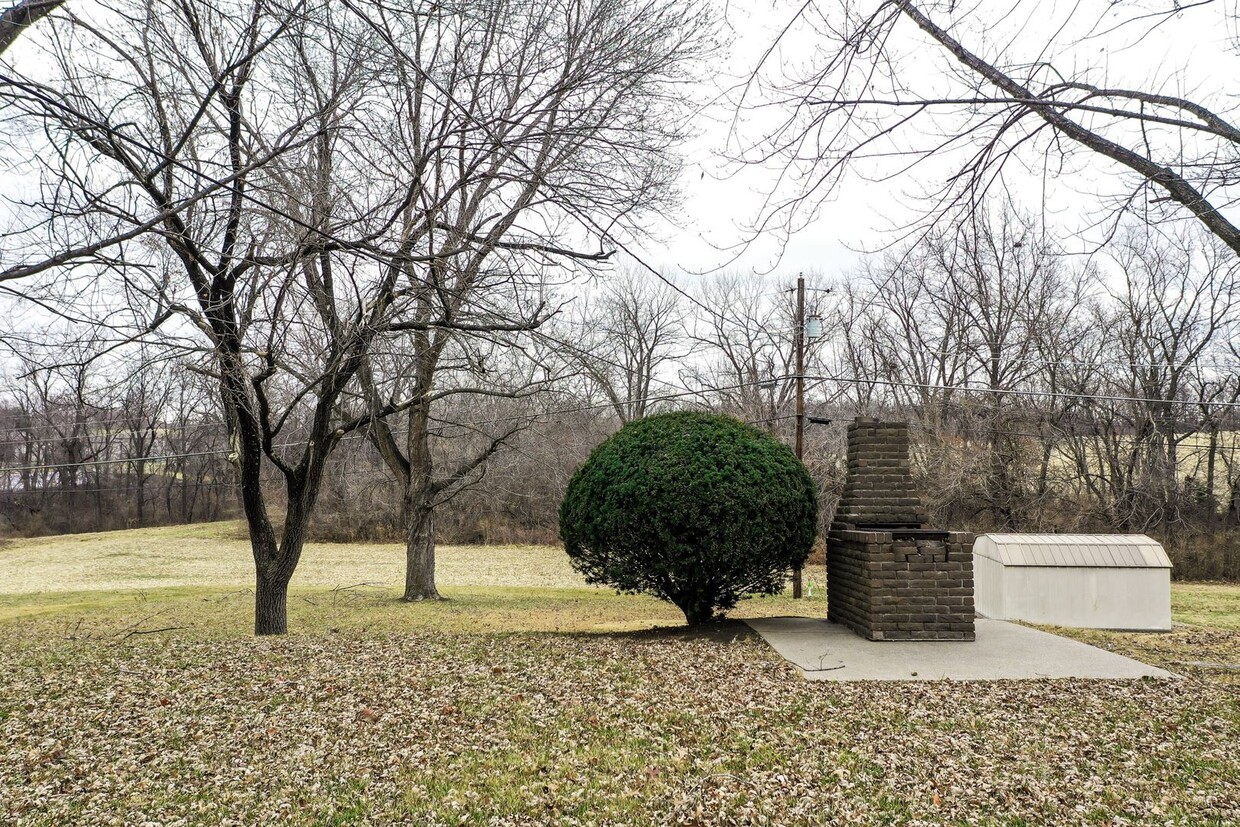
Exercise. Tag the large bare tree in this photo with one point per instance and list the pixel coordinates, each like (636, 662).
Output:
(527, 127)
(288, 184)
(976, 93)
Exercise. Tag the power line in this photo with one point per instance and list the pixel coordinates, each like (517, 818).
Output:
(699, 392)
(131, 460)
(1093, 397)
(23, 492)
(533, 415)
(579, 353)
(126, 461)
(647, 400)
(981, 362)
(160, 428)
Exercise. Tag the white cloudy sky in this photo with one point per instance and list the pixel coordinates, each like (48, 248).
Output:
(1189, 54)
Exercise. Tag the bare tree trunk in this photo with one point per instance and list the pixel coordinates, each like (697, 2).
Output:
(1177, 187)
(21, 16)
(99, 521)
(420, 509)
(1211, 498)
(270, 603)
(276, 560)
(420, 554)
(1001, 493)
(1044, 470)
(141, 494)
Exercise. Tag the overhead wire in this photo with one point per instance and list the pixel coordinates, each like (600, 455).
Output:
(292, 444)
(680, 394)
(94, 423)
(1095, 397)
(159, 458)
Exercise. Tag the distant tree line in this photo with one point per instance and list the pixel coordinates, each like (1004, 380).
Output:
(1046, 394)
(1060, 393)
(85, 454)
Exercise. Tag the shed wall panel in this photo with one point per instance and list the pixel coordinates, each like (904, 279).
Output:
(988, 587)
(1084, 597)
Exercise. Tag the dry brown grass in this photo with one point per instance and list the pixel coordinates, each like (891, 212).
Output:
(218, 554)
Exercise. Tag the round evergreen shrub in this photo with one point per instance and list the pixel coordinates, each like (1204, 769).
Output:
(697, 509)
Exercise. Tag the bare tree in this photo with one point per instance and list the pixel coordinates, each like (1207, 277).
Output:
(906, 336)
(965, 332)
(72, 429)
(20, 16)
(998, 82)
(1011, 287)
(406, 442)
(143, 409)
(240, 195)
(746, 340)
(1175, 308)
(287, 321)
(516, 116)
(624, 335)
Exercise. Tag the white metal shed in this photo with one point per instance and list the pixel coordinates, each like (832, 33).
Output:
(1093, 581)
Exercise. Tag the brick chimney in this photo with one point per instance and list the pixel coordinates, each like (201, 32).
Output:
(888, 576)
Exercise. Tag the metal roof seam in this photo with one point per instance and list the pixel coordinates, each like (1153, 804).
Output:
(1073, 550)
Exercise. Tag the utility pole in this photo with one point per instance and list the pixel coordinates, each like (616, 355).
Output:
(799, 338)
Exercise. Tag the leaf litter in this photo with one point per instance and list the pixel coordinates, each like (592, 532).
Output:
(434, 727)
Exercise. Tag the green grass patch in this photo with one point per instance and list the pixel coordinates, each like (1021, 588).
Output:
(1210, 605)
(218, 611)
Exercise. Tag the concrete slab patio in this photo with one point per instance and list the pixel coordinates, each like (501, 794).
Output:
(827, 651)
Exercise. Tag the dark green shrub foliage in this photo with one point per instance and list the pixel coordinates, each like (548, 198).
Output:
(697, 509)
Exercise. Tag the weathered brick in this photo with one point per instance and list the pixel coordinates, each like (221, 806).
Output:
(881, 586)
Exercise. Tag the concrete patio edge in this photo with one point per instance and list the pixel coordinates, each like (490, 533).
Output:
(826, 651)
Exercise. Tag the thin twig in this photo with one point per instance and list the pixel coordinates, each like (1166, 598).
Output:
(136, 632)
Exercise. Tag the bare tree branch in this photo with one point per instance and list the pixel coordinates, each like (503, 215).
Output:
(21, 16)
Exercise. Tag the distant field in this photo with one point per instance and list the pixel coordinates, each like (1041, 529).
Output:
(201, 571)
(218, 554)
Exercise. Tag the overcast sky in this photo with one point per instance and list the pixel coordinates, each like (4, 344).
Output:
(1190, 54)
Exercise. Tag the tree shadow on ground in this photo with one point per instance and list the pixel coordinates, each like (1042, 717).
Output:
(718, 631)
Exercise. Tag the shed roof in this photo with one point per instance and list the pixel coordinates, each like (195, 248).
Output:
(1073, 550)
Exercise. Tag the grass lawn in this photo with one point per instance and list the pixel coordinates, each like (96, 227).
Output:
(131, 692)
